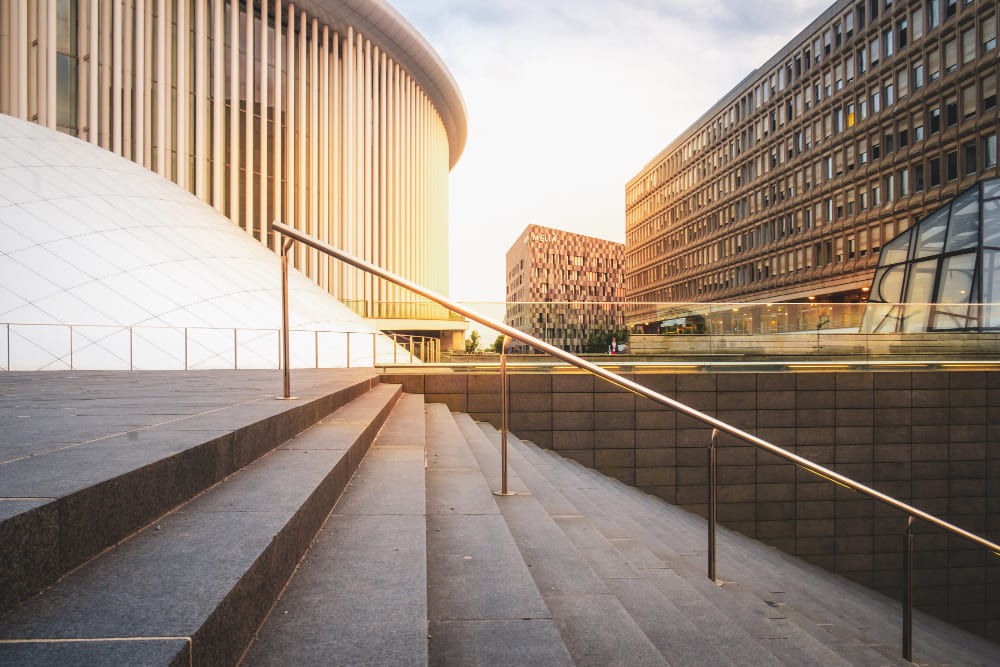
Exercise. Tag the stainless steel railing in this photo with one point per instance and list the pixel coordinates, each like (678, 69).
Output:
(717, 425)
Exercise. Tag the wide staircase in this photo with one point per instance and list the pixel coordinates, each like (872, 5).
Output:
(420, 562)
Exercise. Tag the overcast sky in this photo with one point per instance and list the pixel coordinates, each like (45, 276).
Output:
(568, 99)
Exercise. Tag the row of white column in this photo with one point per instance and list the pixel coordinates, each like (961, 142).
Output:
(350, 147)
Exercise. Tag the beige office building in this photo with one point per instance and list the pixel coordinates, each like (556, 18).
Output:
(875, 115)
(334, 116)
(561, 286)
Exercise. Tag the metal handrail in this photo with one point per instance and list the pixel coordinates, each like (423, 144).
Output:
(624, 383)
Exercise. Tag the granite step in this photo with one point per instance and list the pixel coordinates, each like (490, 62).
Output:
(359, 596)
(764, 622)
(692, 632)
(594, 625)
(483, 607)
(857, 623)
(200, 580)
(66, 496)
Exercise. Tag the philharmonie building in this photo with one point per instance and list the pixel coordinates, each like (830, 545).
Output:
(131, 130)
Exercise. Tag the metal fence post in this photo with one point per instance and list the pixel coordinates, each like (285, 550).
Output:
(712, 458)
(504, 393)
(236, 350)
(185, 348)
(71, 347)
(286, 354)
(348, 349)
(908, 590)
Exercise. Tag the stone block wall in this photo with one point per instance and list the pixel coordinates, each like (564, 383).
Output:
(929, 438)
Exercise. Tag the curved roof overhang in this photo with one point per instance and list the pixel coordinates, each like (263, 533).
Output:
(385, 26)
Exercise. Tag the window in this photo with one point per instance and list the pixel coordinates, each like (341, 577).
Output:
(969, 159)
(989, 151)
(918, 178)
(874, 51)
(951, 7)
(933, 14)
(934, 64)
(951, 55)
(889, 93)
(951, 165)
(889, 186)
(935, 121)
(903, 137)
(918, 127)
(904, 183)
(918, 76)
(989, 85)
(935, 169)
(902, 83)
(901, 30)
(969, 102)
(917, 20)
(989, 25)
(876, 196)
(951, 111)
(862, 61)
(876, 148)
(969, 45)
(876, 102)
(887, 43)
(889, 143)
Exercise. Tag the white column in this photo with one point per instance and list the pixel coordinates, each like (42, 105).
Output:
(279, 103)
(264, 112)
(302, 211)
(218, 105)
(127, 84)
(183, 34)
(201, 151)
(290, 121)
(383, 237)
(366, 169)
(51, 103)
(116, 77)
(162, 90)
(324, 193)
(234, 113)
(349, 161)
(250, 132)
(149, 63)
(141, 83)
(314, 146)
(93, 30)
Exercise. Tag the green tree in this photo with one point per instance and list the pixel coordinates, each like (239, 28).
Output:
(599, 339)
(498, 344)
(472, 343)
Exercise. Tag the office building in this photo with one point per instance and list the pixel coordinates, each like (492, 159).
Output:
(334, 116)
(874, 116)
(561, 286)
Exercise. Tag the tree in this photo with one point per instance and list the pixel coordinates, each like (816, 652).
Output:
(472, 343)
(599, 339)
(498, 344)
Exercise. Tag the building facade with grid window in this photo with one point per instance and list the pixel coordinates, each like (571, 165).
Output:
(562, 286)
(334, 116)
(874, 116)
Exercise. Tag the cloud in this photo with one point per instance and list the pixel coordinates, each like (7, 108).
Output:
(569, 99)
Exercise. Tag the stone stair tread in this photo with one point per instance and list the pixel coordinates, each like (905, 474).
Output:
(627, 510)
(857, 623)
(359, 596)
(211, 569)
(648, 607)
(480, 590)
(729, 561)
(87, 495)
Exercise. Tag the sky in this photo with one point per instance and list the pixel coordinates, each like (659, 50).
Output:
(569, 99)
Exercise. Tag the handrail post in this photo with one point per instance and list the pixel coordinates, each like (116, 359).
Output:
(285, 354)
(908, 590)
(504, 405)
(348, 349)
(712, 481)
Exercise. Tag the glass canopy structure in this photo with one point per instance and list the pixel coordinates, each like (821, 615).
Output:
(942, 274)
